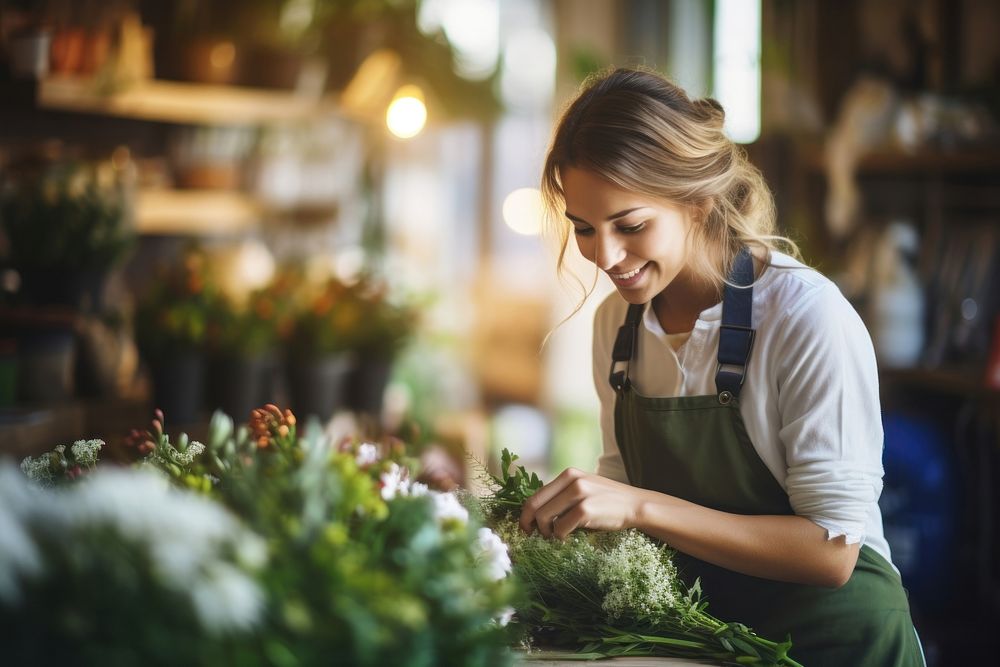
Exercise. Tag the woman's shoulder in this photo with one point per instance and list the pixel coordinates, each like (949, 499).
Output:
(799, 298)
(787, 285)
(611, 311)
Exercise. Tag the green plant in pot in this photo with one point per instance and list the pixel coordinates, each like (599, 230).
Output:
(386, 324)
(244, 339)
(65, 227)
(171, 325)
(321, 349)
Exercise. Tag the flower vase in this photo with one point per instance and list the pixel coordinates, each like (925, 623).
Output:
(178, 379)
(317, 384)
(239, 384)
(367, 383)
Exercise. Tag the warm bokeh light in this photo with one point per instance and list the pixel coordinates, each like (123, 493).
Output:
(523, 211)
(407, 113)
(528, 76)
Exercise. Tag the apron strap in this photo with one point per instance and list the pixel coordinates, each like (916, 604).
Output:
(625, 346)
(735, 334)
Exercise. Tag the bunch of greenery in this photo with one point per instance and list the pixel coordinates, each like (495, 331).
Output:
(63, 216)
(174, 315)
(609, 594)
(364, 565)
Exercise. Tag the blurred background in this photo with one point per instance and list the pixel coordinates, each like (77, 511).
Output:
(333, 205)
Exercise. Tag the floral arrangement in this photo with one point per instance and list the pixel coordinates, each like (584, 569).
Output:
(608, 594)
(309, 552)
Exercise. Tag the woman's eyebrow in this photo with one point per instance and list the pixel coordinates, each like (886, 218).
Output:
(613, 216)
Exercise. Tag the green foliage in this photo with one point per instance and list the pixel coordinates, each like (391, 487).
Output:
(355, 575)
(174, 314)
(64, 217)
(512, 488)
(360, 316)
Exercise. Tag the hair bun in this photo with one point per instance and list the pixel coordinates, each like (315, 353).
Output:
(711, 109)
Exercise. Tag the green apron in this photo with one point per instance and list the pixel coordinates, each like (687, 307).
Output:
(697, 448)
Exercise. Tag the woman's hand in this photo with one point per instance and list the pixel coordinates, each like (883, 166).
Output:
(576, 499)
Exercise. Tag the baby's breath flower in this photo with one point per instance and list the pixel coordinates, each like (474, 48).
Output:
(638, 577)
(38, 470)
(86, 451)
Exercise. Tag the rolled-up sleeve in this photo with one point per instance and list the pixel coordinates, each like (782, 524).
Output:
(831, 427)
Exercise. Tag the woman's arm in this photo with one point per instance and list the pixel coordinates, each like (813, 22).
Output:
(785, 548)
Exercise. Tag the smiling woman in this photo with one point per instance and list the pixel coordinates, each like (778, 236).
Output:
(740, 415)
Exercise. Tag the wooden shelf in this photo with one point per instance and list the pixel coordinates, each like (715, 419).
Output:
(202, 212)
(178, 102)
(928, 161)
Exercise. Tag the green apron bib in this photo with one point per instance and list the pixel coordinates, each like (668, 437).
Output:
(697, 448)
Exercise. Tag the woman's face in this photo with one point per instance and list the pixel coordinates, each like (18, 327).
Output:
(639, 241)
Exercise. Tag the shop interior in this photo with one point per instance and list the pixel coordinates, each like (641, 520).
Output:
(334, 207)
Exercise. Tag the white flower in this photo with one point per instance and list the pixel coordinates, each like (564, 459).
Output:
(446, 506)
(493, 551)
(367, 455)
(189, 538)
(418, 489)
(638, 577)
(19, 556)
(395, 482)
(226, 599)
(86, 451)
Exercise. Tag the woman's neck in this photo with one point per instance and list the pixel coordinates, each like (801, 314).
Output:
(678, 306)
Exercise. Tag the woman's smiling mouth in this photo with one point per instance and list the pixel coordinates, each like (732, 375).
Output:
(628, 278)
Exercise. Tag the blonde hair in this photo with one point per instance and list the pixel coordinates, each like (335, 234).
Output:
(641, 132)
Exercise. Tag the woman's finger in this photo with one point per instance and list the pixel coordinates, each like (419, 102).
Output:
(541, 497)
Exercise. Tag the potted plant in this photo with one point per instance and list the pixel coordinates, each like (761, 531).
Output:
(244, 340)
(171, 325)
(321, 348)
(386, 325)
(66, 227)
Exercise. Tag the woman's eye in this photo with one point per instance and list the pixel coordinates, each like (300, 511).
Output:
(583, 231)
(633, 229)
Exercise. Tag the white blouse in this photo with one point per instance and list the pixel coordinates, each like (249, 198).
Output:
(810, 400)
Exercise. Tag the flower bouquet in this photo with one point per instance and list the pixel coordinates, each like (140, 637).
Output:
(608, 594)
(259, 547)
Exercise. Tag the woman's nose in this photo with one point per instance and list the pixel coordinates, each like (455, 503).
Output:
(608, 252)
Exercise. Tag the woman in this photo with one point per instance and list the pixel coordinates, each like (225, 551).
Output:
(739, 391)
